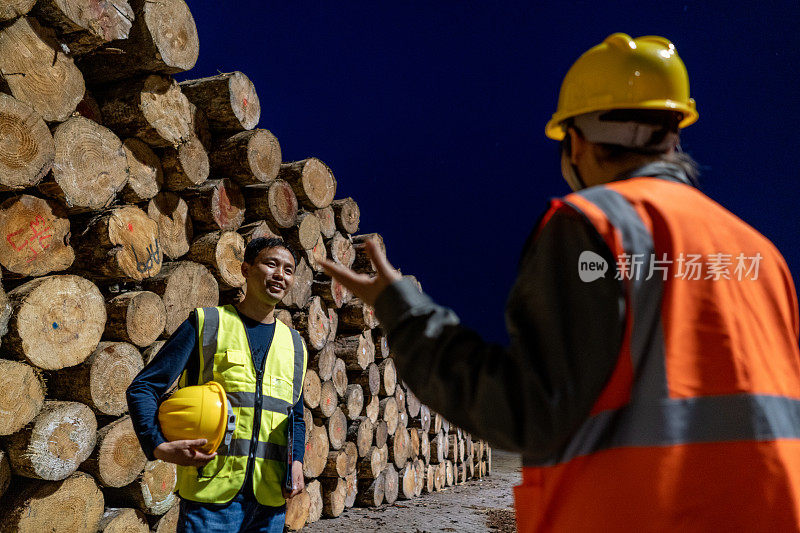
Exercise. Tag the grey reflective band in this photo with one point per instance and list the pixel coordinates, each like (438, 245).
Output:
(703, 419)
(209, 340)
(647, 345)
(268, 403)
(297, 385)
(264, 450)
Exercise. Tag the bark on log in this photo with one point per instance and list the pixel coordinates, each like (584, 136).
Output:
(347, 215)
(353, 402)
(37, 72)
(89, 167)
(323, 361)
(275, 202)
(229, 101)
(183, 286)
(137, 317)
(333, 325)
(57, 321)
(145, 173)
(388, 412)
(423, 420)
(312, 182)
(339, 377)
(249, 157)
(28, 147)
(150, 108)
(185, 165)
(11, 9)
(117, 459)
(256, 230)
(388, 377)
(408, 481)
(101, 380)
(175, 232)
(200, 126)
(121, 243)
(313, 324)
(356, 316)
(222, 252)
(372, 408)
(357, 351)
(336, 466)
(5, 473)
(299, 295)
(37, 235)
(151, 492)
(74, 505)
(369, 379)
(123, 520)
(55, 443)
(21, 397)
(315, 505)
(360, 431)
(436, 423)
(333, 293)
(163, 39)
(334, 492)
(337, 429)
(216, 205)
(370, 491)
(391, 485)
(316, 455)
(327, 222)
(297, 509)
(341, 250)
(84, 26)
(312, 389)
(89, 108)
(381, 344)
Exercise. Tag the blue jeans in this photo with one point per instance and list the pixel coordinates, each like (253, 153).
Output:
(243, 514)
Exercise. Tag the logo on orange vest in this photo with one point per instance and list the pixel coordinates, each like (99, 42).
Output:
(591, 266)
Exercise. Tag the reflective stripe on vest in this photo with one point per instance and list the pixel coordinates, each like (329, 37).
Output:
(225, 357)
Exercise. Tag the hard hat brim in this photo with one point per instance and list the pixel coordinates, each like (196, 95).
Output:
(211, 447)
(555, 126)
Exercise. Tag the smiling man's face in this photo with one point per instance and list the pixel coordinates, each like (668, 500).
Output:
(271, 274)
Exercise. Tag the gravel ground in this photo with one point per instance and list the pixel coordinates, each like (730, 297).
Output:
(477, 506)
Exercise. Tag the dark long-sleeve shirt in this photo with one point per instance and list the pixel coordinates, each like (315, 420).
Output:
(565, 339)
(181, 352)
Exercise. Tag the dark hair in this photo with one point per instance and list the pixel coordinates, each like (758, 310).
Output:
(256, 245)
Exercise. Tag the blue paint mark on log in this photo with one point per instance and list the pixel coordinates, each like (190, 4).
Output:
(55, 325)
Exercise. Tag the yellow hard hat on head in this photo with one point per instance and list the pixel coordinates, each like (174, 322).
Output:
(624, 73)
(197, 412)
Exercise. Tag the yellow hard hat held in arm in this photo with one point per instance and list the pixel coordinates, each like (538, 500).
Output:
(624, 73)
(198, 412)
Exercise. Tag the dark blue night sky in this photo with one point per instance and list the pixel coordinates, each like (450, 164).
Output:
(431, 115)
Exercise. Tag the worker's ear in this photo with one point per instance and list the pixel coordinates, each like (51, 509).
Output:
(245, 269)
(578, 145)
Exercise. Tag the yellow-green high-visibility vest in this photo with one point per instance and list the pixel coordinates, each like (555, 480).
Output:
(260, 437)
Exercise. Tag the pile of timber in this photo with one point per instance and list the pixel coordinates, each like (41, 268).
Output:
(126, 200)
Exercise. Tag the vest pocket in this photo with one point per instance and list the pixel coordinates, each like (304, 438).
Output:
(281, 388)
(231, 365)
(218, 467)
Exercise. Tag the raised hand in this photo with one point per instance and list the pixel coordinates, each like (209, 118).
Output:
(184, 452)
(365, 287)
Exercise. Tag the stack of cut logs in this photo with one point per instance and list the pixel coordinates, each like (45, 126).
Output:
(127, 200)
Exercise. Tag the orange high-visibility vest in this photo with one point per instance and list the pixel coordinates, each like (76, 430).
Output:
(698, 427)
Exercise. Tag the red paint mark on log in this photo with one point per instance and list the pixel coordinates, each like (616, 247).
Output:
(130, 226)
(244, 102)
(163, 485)
(224, 207)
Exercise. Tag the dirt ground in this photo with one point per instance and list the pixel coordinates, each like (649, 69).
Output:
(477, 506)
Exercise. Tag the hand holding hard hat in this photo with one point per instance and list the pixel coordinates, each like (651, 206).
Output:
(194, 421)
